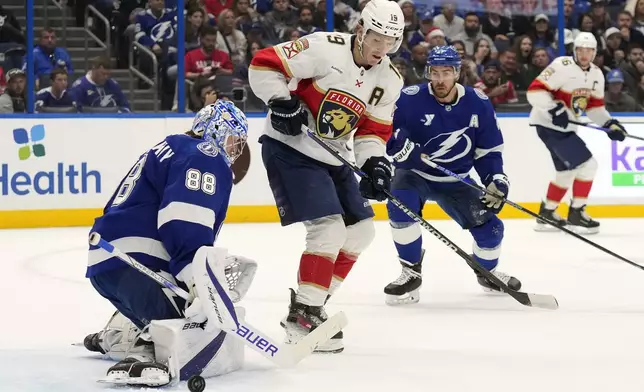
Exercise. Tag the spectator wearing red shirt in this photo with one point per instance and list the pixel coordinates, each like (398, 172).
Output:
(499, 93)
(207, 61)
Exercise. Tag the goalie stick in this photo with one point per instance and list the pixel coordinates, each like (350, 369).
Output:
(282, 355)
(533, 300)
(428, 162)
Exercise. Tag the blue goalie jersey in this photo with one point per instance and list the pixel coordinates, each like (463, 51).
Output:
(456, 136)
(172, 202)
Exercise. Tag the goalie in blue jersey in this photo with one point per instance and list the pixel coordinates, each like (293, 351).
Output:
(166, 214)
(456, 127)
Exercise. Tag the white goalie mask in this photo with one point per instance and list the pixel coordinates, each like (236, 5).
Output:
(386, 18)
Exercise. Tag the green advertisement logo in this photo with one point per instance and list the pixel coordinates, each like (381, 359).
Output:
(29, 142)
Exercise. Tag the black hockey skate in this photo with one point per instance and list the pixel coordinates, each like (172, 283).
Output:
(92, 342)
(551, 215)
(134, 371)
(580, 222)
(405, 289)
(302, 319)
(489, 286)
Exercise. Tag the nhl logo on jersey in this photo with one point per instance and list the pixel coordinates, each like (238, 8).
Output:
(339, 114)
(579, 101)
(293, 48)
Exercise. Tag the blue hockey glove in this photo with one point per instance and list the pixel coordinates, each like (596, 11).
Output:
(617, 130)
(406, 154)
(559, 115)
(287, 116)
(377, 179)
(500, 186)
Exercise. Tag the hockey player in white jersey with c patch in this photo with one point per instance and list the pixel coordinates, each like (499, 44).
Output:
(166, 214)
(568, 87)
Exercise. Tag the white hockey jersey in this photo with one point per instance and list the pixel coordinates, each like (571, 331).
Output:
(565, 81)
(341, 97)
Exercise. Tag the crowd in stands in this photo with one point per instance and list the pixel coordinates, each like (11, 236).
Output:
(504, 45)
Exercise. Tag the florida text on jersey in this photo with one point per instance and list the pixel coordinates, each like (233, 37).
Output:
(340, 95)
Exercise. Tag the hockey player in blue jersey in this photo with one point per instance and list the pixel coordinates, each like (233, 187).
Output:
(166, 214)
(456, 127)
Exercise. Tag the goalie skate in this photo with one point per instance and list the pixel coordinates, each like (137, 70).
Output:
(132, 371)
(405, 289)
(302, 320)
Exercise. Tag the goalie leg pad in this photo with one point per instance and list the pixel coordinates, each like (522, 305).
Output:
(208, 267)
(190, 350)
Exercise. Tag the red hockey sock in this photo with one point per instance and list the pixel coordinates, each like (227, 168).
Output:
(343, 264)
(315, 270)
(314, 278)
(554, 195)
(580, 191)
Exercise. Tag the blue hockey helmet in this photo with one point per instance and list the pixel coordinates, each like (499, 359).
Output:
(225, 126)
(446, 56)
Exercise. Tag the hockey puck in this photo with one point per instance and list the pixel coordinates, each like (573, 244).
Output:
(196, 383)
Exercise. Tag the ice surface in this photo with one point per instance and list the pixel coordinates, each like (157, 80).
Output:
(456, 339)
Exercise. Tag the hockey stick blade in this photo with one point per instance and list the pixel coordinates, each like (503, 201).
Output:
(549, 301)
(304, 347)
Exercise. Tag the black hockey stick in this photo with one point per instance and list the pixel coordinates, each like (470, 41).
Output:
(428, 162)
(527, 299)
(589, 125)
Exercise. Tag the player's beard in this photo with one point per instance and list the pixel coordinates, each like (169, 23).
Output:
(444, 92)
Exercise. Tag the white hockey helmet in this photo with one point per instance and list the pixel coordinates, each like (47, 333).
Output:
(584, 40)
(386, 18)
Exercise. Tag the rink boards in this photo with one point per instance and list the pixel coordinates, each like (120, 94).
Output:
(60, 171)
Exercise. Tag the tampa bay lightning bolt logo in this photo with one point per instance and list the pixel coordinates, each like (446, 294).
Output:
(161, 32)
(450, 146)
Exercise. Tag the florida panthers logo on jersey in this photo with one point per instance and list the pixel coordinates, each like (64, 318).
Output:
(339, 114)
(579, 100)
(449, 146)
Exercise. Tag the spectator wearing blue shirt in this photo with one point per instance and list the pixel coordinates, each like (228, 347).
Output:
(155, 25)
(97, 89)
(48, 56)
(55, 95)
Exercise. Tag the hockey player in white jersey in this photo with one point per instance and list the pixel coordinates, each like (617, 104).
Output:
(342, 86)
(166, 214)
(568, 87)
